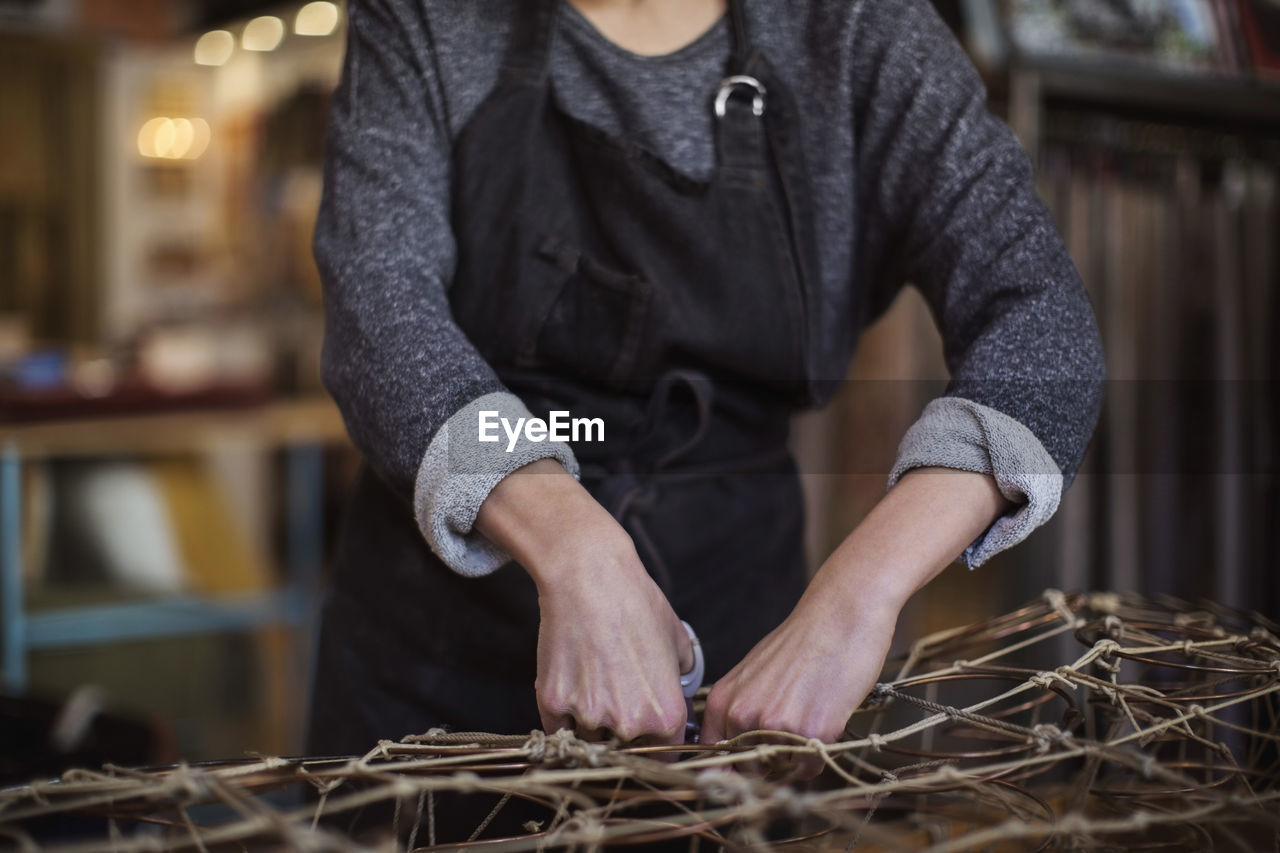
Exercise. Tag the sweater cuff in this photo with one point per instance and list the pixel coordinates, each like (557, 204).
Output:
(953, 432)
(458, 471)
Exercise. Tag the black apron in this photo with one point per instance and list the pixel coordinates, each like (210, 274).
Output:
(597, 279)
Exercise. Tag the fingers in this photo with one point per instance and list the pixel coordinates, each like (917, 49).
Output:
(735, 716)
(655, 723)
(658, 721)
(805, 768)
(554, 720)
(715, 723)
(666, 726)
(712, 722)
(733, 711)
(560, 713)
(798, 681)
(594, 733)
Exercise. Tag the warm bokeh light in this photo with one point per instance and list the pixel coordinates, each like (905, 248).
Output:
(149, 136)
(316, 19)
(263, 34)
(183, 135)
(164, 137)
(167, 138)
(215, 48)
(200, 141)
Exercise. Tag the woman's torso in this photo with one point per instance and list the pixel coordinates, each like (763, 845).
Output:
(662, 104)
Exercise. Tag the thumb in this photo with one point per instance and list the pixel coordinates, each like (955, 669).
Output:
(713, 722)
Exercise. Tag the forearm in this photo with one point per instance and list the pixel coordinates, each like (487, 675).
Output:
(912, 534)
(542, 516)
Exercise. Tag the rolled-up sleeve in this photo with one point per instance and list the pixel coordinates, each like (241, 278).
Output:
(950, 202)
(957, 433)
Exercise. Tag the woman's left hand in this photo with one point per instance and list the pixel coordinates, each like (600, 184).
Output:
(807, 676)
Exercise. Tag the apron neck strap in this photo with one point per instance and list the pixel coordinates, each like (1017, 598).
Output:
(529, 44)
(742, 50)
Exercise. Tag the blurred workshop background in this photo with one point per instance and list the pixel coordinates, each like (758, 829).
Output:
(171, 471)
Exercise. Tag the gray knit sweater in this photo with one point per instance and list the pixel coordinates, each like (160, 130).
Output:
(912, 180)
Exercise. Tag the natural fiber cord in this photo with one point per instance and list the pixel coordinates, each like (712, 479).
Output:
(1162, 731)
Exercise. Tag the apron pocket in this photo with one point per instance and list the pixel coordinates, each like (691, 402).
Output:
(595, 319)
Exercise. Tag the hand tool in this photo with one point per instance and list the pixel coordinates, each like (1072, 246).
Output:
(689, 684)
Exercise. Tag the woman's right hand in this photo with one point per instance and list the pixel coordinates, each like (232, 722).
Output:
(610, 648)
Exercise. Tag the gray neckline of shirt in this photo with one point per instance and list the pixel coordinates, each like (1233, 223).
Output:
(632, 95)
(712, 36)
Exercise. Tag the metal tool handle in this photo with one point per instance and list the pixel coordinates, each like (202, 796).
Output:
(692, 680)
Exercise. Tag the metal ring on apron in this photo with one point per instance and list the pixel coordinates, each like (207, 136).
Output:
(726, 89)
